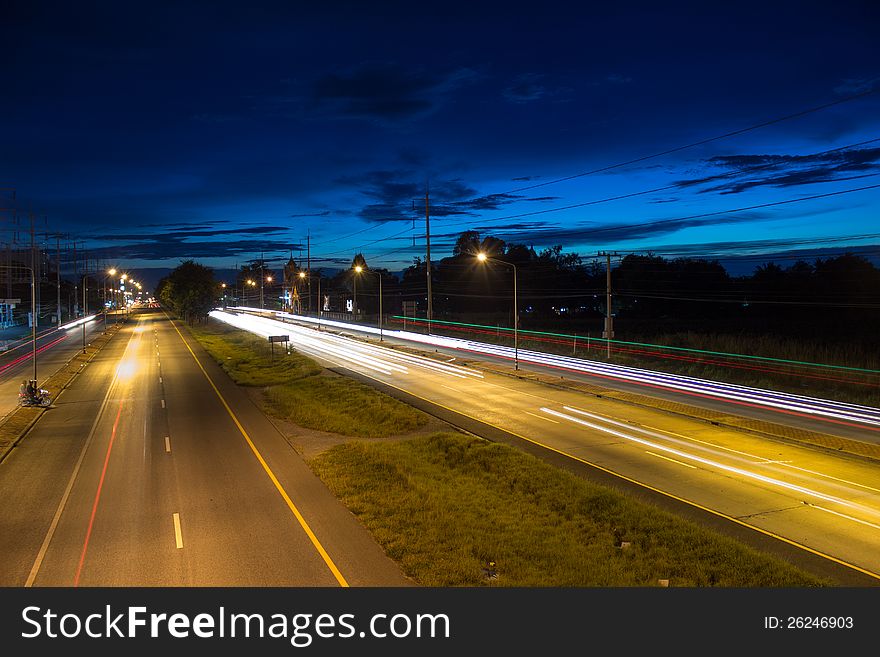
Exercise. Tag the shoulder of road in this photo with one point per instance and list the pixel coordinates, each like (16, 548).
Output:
(16, 424)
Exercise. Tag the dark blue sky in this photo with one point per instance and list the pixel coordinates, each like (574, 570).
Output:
(216, 131)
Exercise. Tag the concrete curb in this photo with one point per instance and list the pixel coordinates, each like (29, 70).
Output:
(16, 424)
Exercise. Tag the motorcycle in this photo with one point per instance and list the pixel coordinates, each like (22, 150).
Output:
(41, 399)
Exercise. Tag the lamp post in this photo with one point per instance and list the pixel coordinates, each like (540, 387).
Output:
(109, 272)
(359, 269)
(252, 284)
(122, 280)
(482, 257)
(85, 311)
(223, 286)
(303, 276)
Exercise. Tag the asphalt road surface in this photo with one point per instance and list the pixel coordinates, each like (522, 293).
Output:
(827, 503)
(55, 347)
(152, 469)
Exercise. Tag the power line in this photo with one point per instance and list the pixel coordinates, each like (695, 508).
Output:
(659, 222)
(701, 142)
(646, 157)
(736, 172)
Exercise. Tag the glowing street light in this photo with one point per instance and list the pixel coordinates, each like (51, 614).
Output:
(482, 257)
(303, 275)
(358, 269)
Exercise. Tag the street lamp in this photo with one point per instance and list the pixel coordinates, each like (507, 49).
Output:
(109, 272)
(122, 280)
(267, 279)
(358, 269)
(223, 285)
(252, 284)
(482, 257)
(303, 275)
(85, 311)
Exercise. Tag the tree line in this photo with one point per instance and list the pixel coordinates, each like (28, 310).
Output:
(565, 290)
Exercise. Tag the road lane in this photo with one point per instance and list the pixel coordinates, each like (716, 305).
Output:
(829, 503)
(170, 492)
(760, 404)
(54, 349)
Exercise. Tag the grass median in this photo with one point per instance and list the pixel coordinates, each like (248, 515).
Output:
(445, 506)
(300, 391)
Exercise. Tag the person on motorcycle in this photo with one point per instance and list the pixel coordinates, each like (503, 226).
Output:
(23, 389)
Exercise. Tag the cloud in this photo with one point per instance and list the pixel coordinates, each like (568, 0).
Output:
(183, 234)
(384, 92)
(159, 249)
(526, 88)
(852, 86)
(394, 196)
(325, 213)
(750, 171)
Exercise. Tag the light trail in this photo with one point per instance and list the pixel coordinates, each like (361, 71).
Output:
(794, 488)
(865, 417)
(384, 359)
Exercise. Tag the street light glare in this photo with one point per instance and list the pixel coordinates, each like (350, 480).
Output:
(112, 272)
(302, 274)
(358, 269)
(481, 257)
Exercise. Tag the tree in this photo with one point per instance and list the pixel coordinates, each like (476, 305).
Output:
(190, 290)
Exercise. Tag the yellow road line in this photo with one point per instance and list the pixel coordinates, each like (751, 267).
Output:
(278, 486)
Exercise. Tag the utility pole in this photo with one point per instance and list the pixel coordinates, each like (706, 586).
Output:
(34, 309)
(608, 334)
(309, 266)
(58, 273)
(428, 259)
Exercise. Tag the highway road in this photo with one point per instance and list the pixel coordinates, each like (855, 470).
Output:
(826, 503)
(152, 469)
(55, 347)
(831, 417)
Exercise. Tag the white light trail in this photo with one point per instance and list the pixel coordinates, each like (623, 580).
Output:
(769, 399)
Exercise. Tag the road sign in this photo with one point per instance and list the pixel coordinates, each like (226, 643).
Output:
(279, 338)
(10, 302)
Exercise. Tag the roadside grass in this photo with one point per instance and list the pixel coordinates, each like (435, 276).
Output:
(247, 357)
(337, 404)
(445, 505)
(298, 390)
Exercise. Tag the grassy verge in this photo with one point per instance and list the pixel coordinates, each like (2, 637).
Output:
(298, 390)
(444, 506)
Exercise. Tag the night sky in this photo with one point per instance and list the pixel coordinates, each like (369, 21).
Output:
(217, 131)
